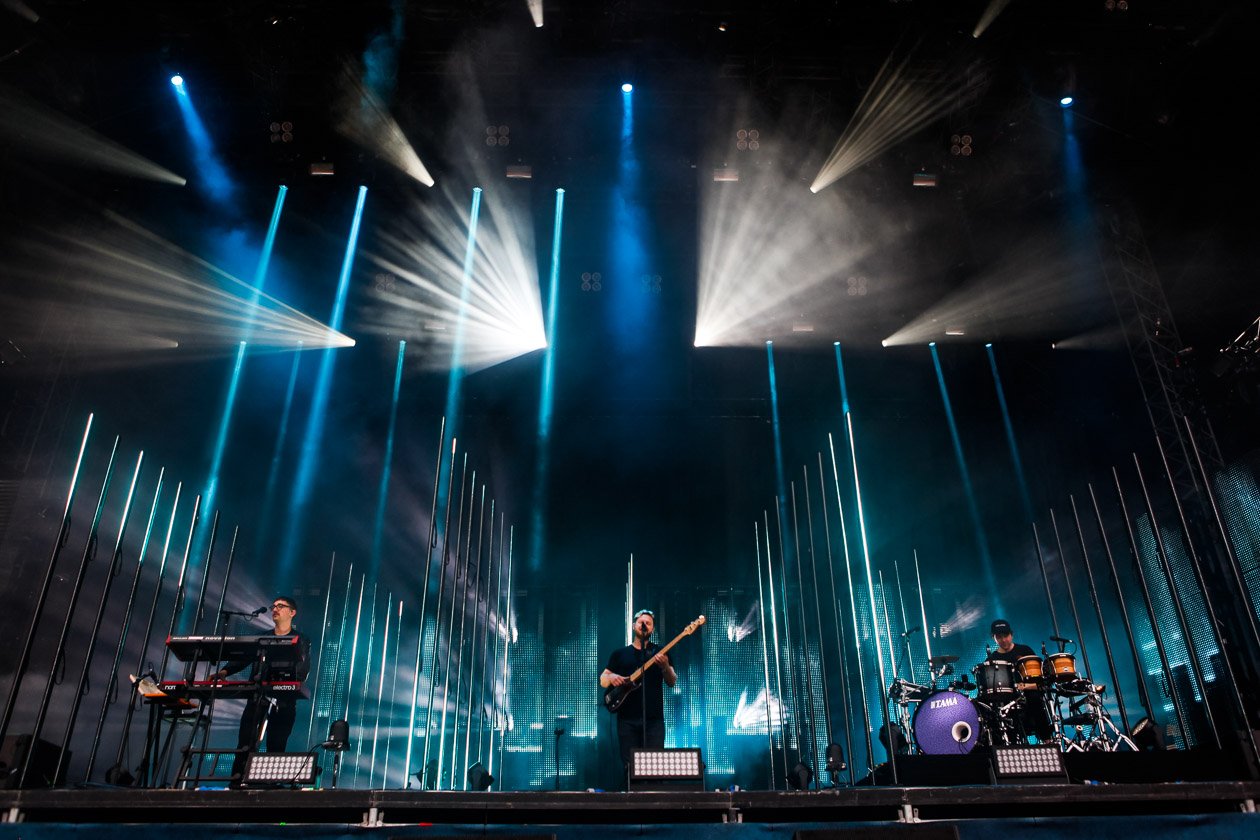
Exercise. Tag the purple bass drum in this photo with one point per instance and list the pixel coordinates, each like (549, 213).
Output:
(946, 723)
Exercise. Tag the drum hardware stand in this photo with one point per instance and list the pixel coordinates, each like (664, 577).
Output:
(1106, 735)
(902, 693)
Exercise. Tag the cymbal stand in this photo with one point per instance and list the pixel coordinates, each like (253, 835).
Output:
(1056, 719)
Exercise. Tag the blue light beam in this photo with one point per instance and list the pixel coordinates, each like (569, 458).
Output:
(973, 510)
(212, 177)
(546, 396)
(315, 421)
(1010, 435)
(234, 380)
(382, 493)
(455, 382)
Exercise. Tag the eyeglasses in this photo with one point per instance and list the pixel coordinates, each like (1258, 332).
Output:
(280, 604)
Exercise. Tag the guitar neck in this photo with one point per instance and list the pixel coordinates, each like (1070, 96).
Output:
(643, 668)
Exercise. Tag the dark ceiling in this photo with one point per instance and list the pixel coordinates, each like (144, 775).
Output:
(1159, 86)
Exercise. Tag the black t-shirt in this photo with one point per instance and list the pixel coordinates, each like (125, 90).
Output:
(1012, 656)
(625, 661)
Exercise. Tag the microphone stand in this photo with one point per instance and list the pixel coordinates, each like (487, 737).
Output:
(559, 732)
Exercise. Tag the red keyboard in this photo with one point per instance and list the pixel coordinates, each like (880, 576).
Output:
(232, 689)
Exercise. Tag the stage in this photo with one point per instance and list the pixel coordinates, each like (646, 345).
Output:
(402, 807)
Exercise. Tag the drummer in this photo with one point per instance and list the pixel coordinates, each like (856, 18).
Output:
(1035, 718)
(1007, 648)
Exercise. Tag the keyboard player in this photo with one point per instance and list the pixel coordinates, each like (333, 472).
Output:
(276, 714)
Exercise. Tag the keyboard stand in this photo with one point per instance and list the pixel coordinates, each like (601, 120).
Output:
(185, 775)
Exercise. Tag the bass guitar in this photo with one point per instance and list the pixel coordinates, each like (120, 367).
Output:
(615, 695)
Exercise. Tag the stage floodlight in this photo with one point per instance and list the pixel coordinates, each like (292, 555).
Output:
(281, 769)
(478, 778)
(1066, 102)
(627, 88)
(801, 776)
(674, 767)
(835, 759)
(1147, 736)
(1030, 764)
(177, 80)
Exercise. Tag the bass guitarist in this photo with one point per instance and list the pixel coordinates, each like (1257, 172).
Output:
(641, 715)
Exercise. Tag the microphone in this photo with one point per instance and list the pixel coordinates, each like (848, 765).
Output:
(1061, 640)
(911, 631)
(259, 611)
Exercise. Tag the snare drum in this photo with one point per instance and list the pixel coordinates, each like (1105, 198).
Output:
(1029, 669)
(1062, 666)
(995, 679)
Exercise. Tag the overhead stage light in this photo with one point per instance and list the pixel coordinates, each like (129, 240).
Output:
(177, 80)
(627, 88)
(1066, 102)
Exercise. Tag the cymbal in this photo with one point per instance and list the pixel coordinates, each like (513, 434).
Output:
(1078, 720)
(942, 659)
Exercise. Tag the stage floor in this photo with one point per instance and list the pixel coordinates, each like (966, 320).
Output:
(849, 805)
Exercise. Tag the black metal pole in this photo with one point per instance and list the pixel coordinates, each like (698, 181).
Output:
(1175, 597)
(1143, 695)
(430, 544)
(1067, 582)
(818, 622)
(1045, 578)
(1240, 582)
(177, 606)
(89, 554)
(28, 641)
(857, 637)
(1149, 604)
(774, 640)
(437, 617)
(319, 655)
(110, 694)
(805, 731)
(835, 613)
(112, 572)
(1214, 621)
(1102, 624)
(154, 719)
(765, 658)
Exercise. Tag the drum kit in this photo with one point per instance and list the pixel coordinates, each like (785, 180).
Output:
(1038, 699)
